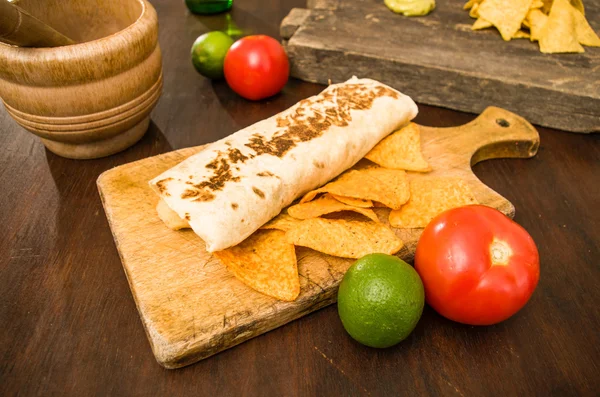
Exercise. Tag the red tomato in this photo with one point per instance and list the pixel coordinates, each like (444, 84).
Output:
(478, 266)
(256, 67)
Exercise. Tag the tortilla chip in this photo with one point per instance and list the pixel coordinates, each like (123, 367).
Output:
(536, 4)
(346, 239)
(537, 20)
(559, 34)
(430, 197)
(389, 187)
(547, 5)
(473, 11)
(506, 16)
(326, 205)
(585, 33)
(282, 222)
(400, 151)
(353, 201)
(469, 4)
(481, 23)
(170, 217)
(265, 262)
(521, 35)
(578, 5)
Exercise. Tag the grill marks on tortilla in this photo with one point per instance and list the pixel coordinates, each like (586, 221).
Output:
(222, 174)
(305, 123)
(236, 156)
(197, 195)
(258, 192)
(265, 173)
(277, 146)
(302, 125)
(161, 186)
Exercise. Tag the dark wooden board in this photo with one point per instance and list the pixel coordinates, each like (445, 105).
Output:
(439, 60)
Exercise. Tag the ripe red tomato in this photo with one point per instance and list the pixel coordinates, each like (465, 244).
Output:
(256, 67)
(478, 266)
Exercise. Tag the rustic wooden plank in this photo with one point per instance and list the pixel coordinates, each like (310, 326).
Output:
(323, 4)
(438, 60)
(292, 22)
(192, 307)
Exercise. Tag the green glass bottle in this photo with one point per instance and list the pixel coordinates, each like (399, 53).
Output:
(208, 6)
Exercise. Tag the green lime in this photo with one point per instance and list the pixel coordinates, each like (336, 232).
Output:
(208, 53)
(380, 300)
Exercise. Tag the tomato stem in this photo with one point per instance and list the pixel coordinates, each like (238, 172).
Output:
(500, 253)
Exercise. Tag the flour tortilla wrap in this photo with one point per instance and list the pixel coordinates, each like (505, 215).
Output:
(237, 184)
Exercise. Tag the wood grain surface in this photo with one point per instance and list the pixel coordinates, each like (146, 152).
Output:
(70, 326)
(17, 27)
(190, 304)
(439, 60)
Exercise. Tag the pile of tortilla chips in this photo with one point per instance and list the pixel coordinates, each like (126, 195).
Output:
(338, 219)
(558, 26)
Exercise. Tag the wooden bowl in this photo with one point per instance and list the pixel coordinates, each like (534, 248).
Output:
(91, 99)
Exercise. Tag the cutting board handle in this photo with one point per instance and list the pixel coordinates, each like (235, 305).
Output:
(495, 133)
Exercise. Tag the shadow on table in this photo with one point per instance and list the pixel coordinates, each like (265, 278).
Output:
(73, 178)
(80, 220)
(83, 281)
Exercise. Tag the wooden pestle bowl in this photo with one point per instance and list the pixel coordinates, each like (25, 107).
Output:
(91, 99)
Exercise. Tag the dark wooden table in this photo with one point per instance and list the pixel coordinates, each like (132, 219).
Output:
(69, 325)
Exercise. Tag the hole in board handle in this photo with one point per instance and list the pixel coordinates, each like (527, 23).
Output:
(502, 123)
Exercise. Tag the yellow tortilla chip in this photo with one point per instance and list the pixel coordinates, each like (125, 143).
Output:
(265, 262)
(521, 35)
(536, 4)
(355, 202)
(389, 187)
(481, 23)
(578, 4)
(559, 34)
(170, 217)
(326, 205)
(547, 5)
(282, 222)
(506, 16)
(585, 33)
(473, 11)
(400, 151)
(430, 197)
(346, 239)
(469, 4)
(537, 20)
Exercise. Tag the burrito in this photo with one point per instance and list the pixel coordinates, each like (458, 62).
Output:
(235, 185)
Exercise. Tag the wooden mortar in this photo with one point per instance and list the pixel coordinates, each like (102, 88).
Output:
(91, 99)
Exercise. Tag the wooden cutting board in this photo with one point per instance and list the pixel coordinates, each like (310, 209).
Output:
(438, 60)
(192, 307)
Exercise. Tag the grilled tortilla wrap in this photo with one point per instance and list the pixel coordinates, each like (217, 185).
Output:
(237, 184)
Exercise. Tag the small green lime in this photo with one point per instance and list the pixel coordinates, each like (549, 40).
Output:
(380, 300)
(208, 53)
